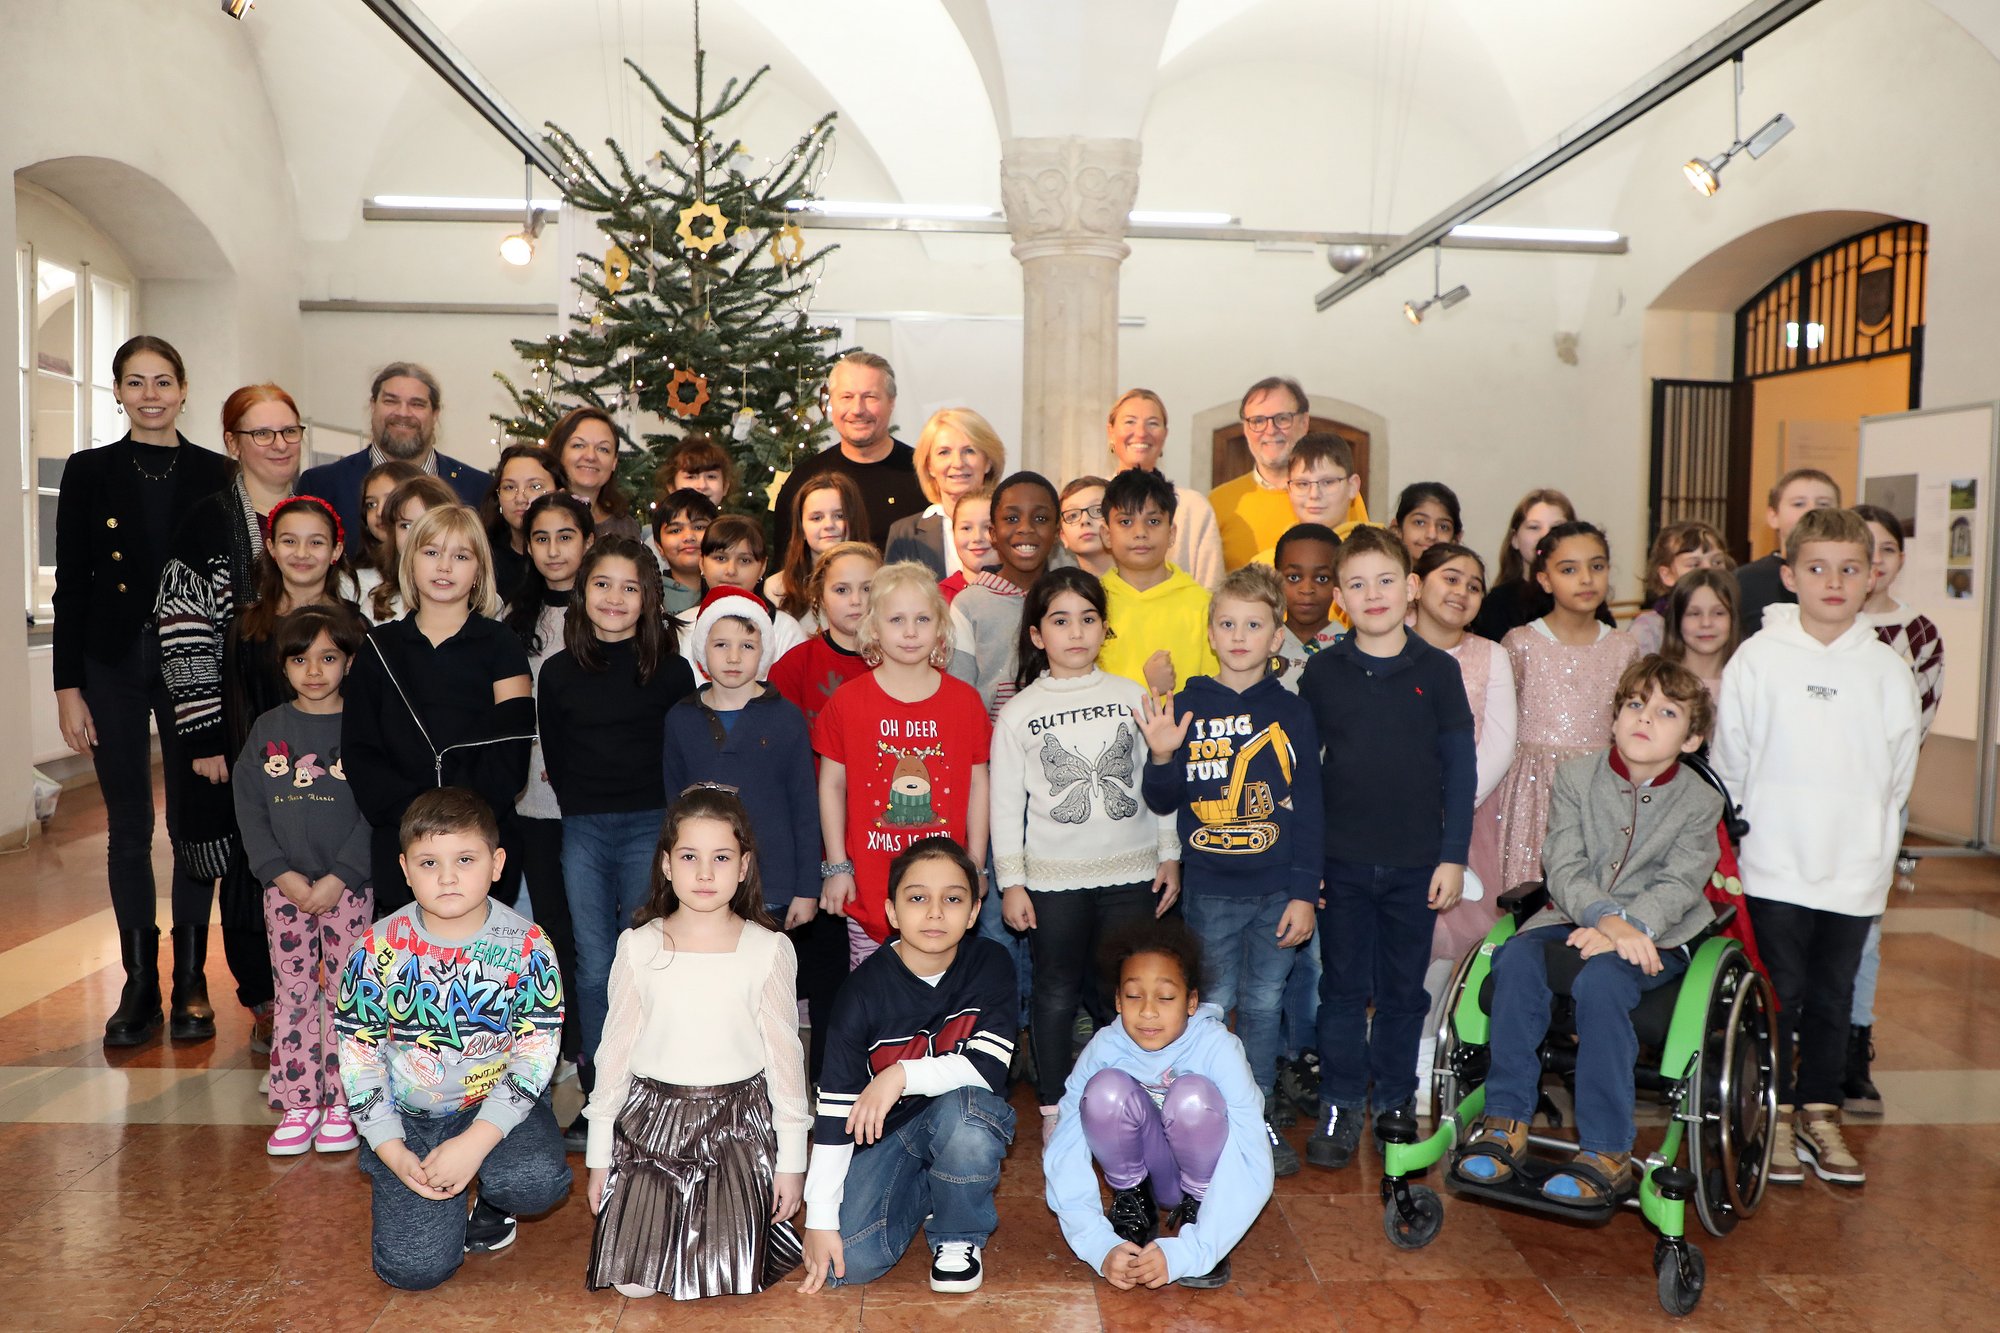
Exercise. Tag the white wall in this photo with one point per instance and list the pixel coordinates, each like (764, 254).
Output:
(153, 121)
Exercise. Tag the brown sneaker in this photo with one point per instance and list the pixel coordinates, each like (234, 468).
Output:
(1494, 1150)
(1823, 1149)
(1580, 1191)
(260, 1028)
(1786, 1168)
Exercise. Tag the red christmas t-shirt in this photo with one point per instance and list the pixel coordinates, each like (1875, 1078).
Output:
(909, 775)
(809, 673)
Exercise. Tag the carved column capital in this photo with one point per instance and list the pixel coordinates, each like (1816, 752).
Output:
(1069, 196)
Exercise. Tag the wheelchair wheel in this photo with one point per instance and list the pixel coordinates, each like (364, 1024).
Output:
(1448, 1082)
(1421, 1227)
(1734, 1079)
(1682, 1273)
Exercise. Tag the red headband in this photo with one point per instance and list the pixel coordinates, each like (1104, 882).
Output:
(339, 532)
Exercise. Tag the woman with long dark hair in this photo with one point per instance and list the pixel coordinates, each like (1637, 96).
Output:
(116, 515)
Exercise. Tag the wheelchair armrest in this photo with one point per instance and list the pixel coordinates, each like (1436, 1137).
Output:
(1723, 916)
(1524, 900)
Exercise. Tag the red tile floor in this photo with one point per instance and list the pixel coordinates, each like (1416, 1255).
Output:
(142, 1197)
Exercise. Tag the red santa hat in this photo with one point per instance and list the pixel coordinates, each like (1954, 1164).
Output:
(726, 602)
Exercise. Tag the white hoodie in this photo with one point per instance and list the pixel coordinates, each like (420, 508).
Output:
(1819, 743)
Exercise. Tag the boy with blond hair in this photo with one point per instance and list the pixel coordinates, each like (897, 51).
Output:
(1816, 734)
(1760, 582)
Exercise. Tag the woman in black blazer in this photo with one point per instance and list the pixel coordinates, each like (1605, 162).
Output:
(115, 519)
(958, 452)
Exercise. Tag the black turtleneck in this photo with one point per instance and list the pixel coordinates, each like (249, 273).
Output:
(602, 731)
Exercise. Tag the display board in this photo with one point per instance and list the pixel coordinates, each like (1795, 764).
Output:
(1934, 470)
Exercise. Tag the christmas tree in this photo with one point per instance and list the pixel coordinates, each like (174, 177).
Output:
(697, 316)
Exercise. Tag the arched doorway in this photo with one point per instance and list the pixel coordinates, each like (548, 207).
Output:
(1794, 363)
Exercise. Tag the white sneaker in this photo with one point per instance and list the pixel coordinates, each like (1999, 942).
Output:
(955, 1267)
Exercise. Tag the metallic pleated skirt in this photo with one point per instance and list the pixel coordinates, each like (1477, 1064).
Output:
(687, 1202)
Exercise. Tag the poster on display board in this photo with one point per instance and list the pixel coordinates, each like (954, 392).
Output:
(1934, 470)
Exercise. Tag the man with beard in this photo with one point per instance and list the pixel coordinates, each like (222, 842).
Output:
(403, 408)
(860, 400)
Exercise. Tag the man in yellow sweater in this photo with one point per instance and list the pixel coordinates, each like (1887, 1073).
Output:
(1158, 615)
(1256, 508)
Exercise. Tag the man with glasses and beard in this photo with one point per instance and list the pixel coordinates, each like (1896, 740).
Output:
(1255, 509)
(403, 408)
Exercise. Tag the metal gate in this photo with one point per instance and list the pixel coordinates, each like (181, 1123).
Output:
(1691, 457)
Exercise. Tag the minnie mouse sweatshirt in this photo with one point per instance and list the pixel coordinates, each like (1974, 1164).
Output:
(294, 808)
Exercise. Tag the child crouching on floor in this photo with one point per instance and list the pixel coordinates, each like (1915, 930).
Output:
(1164, 1102)
(1630, 847)
(450, 1017)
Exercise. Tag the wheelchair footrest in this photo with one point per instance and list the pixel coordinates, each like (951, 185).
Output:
(1523, 1189)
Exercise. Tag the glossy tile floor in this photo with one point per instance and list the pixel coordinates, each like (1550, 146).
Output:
(141, 1197)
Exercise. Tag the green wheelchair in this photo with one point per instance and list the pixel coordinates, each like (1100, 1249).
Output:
(1706, 1053)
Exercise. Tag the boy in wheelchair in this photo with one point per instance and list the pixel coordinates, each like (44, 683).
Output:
(1630, 846)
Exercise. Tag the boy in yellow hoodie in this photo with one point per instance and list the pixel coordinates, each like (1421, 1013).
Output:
(1158, 614)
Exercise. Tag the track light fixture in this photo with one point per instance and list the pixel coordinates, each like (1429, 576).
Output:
(518, 248)
(1414, 310)
(236, 9)
(1704, 175)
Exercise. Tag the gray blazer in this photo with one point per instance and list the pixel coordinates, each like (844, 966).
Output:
(1647, 852)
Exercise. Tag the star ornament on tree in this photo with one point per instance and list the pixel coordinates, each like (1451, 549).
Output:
(718, 224)
(684, 403)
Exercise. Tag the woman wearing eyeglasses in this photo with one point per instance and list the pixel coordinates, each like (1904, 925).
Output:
(115, 520)
(209, 578)
(1137, 434)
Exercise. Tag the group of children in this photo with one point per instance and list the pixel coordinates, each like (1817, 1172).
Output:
(1078, 780)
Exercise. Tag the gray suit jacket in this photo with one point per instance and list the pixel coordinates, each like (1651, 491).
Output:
(1646, 852)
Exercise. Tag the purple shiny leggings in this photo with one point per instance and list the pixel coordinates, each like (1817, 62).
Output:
(1177, 1144)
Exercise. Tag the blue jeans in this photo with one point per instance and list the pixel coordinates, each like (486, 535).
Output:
(607, 867)
(937, 1171)
(1605, 992)
(1246, 969)
(1301, 1019)
(1374, 942)
(994, 927)
(417, 1243)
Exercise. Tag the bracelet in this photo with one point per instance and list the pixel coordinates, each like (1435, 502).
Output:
(828, 869)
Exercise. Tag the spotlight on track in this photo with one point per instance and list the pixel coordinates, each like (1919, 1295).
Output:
(1414, 310)
(518, 248)
(236, 9)
(1704, 175)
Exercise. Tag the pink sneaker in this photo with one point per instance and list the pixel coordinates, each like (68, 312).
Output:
(337, 1134)
(294, 1133)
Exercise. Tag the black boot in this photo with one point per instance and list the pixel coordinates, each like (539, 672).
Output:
(138, 1014)
(1134, 1215)
(192, 1019)
(1859, 1095)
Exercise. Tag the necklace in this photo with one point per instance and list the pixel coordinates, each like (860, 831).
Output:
(156, 476)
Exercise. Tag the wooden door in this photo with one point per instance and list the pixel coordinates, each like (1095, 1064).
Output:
(1230, 456)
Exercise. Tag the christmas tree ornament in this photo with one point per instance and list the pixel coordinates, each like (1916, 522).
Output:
(788, 246)
(682, 403)
(742, 423)
(617, 269)
(718, 224)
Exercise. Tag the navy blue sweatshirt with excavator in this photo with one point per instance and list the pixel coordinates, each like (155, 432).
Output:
(1246, 787)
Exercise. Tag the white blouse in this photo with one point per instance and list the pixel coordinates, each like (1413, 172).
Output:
(702, 1020)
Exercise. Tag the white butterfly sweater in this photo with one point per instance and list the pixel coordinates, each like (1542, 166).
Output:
(1067, 812)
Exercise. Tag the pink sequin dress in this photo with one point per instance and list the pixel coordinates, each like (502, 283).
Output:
(1467, 923)
(1565, 711)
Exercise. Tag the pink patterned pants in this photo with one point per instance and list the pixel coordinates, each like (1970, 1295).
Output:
(307, 953)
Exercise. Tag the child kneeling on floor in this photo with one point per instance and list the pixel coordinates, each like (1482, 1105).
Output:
(913, 1117)
(1164, 1102)
(1630, 847)
(450, 1018)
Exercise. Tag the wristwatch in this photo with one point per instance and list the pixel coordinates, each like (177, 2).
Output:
(828, 869)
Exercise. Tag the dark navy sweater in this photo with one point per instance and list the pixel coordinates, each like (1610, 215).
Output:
(1246, 785)
(1400, 768)
(766, 754)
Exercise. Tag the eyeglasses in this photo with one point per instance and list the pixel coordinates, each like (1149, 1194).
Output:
(1072, 518)
(263, 435)
(722, 787)
(1282, 420)
(531, 487)
(1315, 485)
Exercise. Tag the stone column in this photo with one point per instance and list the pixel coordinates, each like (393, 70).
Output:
(1066, 201)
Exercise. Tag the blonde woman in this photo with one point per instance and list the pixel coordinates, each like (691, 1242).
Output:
(958, 453)
(1136, 432)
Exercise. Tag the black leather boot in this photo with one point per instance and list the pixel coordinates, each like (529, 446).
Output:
(137, 1017)
(1859, 1094)
(193, 1019)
